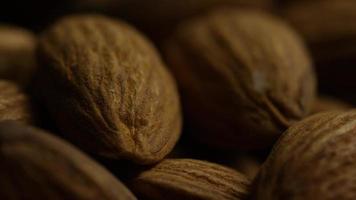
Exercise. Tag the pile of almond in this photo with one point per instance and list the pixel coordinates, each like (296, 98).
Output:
(174, 100)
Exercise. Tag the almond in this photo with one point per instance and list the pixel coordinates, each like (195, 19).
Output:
(37, 165)
(190, 179)
(245, 77)
(107, 89)
(315, 159)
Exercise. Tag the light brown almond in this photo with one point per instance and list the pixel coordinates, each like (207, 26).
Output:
(107, 89)
(314, 160)
(190, 179)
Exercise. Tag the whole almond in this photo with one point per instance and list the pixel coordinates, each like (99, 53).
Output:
(245, 77)
(37, 165)
(107, 89)
(17, 54)
(14, 103)
(190, 179)
(314, 160)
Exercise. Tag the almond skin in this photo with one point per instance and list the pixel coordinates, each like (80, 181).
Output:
(37, 165)
(190, 179)
(245, 77)
(17, 54)
(14, 103)
(314, 160)
(107, 89)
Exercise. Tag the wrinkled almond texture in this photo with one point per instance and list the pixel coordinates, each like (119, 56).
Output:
(14, 103)
(190, 179)
(245, 76)
(315, 159)
(37, 165)
(17, 54)
(108, 90)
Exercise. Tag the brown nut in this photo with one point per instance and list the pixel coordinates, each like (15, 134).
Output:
(14, 103)
(245, 77)
(108, 90)
(37, 165)
(17, 54)
(314, 160)
(190, 179)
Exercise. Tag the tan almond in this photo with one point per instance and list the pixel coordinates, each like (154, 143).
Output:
(314, 160)
(107, 89)
(190, 179)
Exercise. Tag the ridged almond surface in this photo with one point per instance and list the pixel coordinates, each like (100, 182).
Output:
(107, 89)
(314, 160)
(245, 76)
(17, 54)
(14, 103)
(37, 165)
(190, 179)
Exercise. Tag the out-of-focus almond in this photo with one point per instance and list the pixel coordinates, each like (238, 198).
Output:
(245, 76)
(37, 165)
